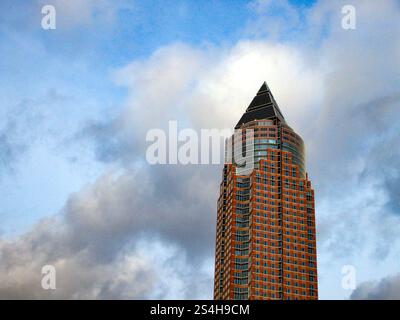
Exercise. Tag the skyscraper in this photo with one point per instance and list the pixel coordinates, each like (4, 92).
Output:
(265, 240)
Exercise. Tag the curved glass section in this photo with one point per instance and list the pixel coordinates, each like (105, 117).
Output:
(269, 136)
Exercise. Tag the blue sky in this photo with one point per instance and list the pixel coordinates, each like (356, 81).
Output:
(76, 103)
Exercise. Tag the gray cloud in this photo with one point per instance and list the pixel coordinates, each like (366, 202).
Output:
(355, 127)
(385, 289)
(77, 275)
(117, 208)
(383, 158)
(96, 244)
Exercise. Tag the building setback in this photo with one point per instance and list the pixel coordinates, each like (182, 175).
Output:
(265, 239)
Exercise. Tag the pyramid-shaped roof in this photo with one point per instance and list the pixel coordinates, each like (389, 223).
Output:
(263, 106)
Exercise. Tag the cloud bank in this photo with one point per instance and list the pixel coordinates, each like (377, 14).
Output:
(387, 288)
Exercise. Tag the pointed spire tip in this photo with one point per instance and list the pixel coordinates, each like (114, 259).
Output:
(264, 87)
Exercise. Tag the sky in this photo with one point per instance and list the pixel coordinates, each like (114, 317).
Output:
(77, 102)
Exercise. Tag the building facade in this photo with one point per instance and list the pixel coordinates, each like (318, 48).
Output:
(266, 237)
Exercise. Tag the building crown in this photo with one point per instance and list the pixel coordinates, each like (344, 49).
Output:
(263, 106)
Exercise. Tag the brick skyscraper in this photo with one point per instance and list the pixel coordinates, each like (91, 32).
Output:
(265, 241)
